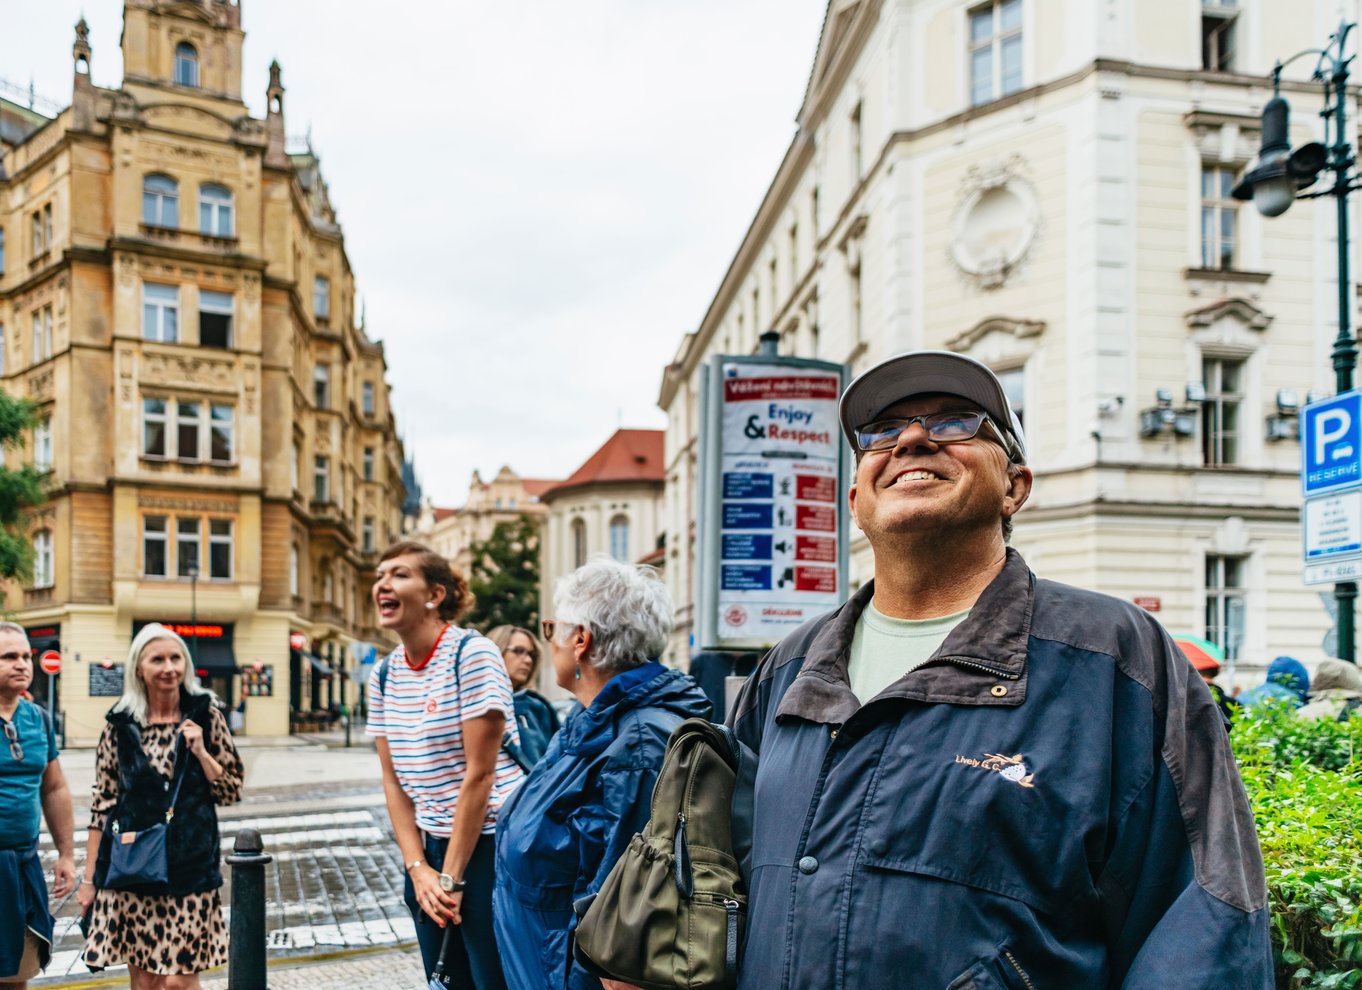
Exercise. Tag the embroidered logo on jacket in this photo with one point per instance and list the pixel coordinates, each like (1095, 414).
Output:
(1011, 768)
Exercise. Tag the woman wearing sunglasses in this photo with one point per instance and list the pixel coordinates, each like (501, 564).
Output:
(533, 712)
(561, 833)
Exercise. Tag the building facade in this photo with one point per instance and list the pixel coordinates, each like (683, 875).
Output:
(214, 421)
(1046, 187)
(452, 532)
(610, 506)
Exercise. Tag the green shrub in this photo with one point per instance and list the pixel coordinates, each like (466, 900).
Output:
(1304, 780)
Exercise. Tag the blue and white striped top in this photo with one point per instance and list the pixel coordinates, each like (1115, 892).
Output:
(421, 714)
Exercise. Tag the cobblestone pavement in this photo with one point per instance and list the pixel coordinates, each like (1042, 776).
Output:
(335, 883)
(379, 971)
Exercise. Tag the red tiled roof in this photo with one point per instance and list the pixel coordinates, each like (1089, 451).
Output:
(629, 455)
(443, 514)
(538, 486)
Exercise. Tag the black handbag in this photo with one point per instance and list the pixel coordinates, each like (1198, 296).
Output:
(138, 859)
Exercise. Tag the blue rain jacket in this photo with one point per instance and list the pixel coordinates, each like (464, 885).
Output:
(561, 832)
(1050, 801)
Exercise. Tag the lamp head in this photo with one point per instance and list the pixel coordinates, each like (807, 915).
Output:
(1271, 184)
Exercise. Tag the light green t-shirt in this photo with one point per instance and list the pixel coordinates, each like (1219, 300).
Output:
(883, 649)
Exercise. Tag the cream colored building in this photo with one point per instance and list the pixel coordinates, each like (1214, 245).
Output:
(176, 297)
(610, 506)
(1044, 186)
(453, 532)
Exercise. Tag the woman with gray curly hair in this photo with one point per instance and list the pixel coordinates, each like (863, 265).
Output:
(560, 834)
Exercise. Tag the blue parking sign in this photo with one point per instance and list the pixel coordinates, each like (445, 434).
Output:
(1331, 444)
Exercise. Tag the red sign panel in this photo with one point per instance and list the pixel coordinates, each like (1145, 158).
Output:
(821, 549)
(815, 488)
(764, 389)
(188, 631)
(50, 662)
(819, 517)
(816, 579)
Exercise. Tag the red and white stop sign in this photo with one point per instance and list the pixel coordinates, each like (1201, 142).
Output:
(50, 662)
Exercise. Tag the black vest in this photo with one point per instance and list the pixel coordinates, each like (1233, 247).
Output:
(193, 843)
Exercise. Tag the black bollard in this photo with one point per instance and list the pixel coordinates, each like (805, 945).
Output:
(246, 948)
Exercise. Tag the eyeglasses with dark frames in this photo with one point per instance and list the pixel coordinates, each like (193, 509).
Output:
(941, 427)
(547, 627)
(521, 651)
(15, 750)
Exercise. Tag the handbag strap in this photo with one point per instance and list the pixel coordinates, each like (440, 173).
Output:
(181, 767)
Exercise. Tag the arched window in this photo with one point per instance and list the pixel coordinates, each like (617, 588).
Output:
(578, 542)
(619, 539)
(215, 210)
(160, 201)
(42, 559)
(186, 64)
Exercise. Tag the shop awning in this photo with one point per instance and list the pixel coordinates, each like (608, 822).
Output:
(319, 666)
(213, 655)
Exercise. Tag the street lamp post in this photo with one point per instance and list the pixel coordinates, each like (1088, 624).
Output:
(1279, 178)
(194, 610)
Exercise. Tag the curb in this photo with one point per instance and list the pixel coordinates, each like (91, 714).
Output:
(94, 982)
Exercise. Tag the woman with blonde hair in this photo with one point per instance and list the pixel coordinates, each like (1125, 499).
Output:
(533, 712)
(165, 739)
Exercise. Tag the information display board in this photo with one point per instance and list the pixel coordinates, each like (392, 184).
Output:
(772, 517)
(106, 680)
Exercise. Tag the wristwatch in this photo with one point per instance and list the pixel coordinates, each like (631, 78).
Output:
(451, 886)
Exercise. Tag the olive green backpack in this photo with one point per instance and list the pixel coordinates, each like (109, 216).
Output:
(670, 914)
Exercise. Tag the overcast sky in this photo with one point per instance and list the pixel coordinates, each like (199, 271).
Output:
(539, 198)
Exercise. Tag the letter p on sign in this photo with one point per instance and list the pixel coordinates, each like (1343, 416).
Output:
(1330, 426)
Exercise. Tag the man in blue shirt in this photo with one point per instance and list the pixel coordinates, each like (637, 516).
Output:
(30, 777)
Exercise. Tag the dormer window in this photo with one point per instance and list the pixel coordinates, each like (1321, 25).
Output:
(186, 64)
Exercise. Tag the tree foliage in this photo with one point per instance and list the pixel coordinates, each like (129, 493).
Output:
(505, 576)
(1304, 779)
(20, 489)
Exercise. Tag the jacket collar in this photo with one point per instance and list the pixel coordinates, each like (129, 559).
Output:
(192, 706)
(981, 662)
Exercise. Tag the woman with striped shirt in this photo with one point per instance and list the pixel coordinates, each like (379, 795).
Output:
(438, 707)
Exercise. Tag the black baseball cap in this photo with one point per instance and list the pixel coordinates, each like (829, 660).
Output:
(918, 373)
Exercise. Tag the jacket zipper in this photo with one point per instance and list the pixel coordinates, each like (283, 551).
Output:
(991, 671)
(1020, 972)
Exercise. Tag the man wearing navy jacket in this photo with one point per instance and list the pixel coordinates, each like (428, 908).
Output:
(969, 777)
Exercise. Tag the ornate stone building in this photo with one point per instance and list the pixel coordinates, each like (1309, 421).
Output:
(508, 496)
(175, 295)
(612, 506)
(1046, 186)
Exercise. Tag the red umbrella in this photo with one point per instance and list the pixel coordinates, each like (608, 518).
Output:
(1203, 654)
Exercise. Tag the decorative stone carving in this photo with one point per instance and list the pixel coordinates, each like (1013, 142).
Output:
(186, 504)
(250, 284)
(996, 223)
(248, 386)
(40, 386)
(127, 270)
(1020, 329)
(175, 370)
(1237, 309)
(125, 374)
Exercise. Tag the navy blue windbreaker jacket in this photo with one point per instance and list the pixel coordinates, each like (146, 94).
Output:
(561, 832)
(1050, 801)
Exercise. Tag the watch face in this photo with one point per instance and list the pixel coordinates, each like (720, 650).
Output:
(446, 882)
